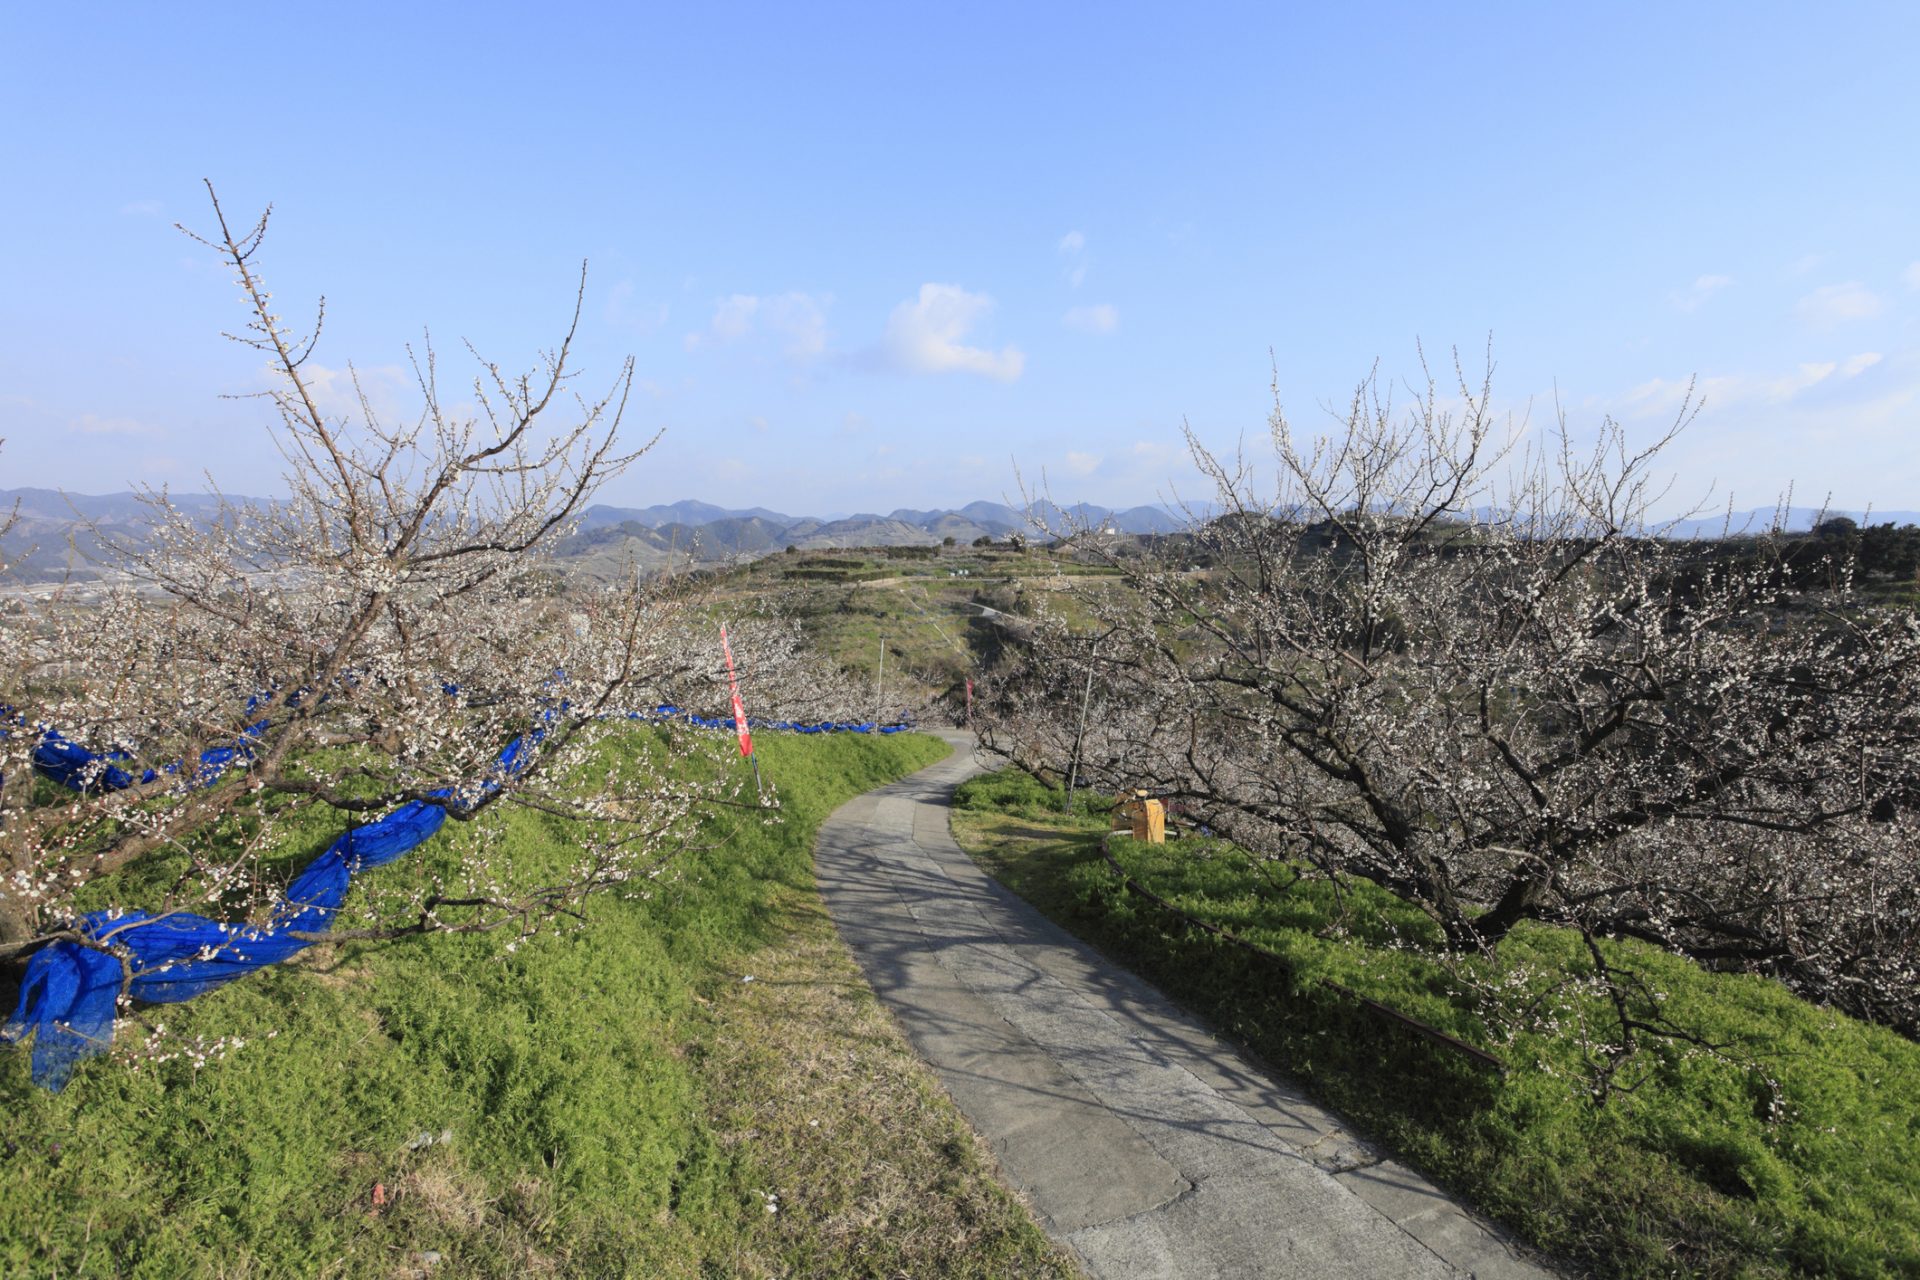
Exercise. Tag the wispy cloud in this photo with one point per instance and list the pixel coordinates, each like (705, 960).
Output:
(141, 209)
(1838, 427)
(1073, 247)
(1143, 467)
(797, 320)
(337, 392)
(1664, 397)
(1834, 304)
(88, 424)
(645, 318)
(1694, 295)
(1104, 318)
(925, 334)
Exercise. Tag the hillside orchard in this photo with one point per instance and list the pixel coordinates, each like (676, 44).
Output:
(374, 637)
(1474, 674)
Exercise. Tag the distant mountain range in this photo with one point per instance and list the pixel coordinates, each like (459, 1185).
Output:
(988, 517)
(50, 537)
(1796, 520)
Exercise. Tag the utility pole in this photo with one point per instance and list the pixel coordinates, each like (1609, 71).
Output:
(1079, 734)
(880, 685)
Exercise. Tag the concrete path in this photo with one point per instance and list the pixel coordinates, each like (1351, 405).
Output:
(1145, 1143)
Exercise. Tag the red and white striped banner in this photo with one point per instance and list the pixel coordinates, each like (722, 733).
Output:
(739, 708)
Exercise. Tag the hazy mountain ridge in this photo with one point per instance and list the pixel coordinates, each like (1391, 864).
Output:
(54, 537)
(1794, 520)
(50, 538)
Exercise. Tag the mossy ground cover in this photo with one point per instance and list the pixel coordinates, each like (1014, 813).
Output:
(618, 1101)
(1792, 1150)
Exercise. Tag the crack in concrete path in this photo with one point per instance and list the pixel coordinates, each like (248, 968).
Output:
(1142, 1141)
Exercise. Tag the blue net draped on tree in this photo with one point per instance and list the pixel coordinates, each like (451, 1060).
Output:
(69, 993)
(779, 726)
(71, 990)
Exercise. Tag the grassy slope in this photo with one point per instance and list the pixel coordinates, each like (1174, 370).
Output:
(934, 636)
(621, 1100)
(1791, 1154)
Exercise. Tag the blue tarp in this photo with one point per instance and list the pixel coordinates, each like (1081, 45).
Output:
(69, 994)
(778, 726)
(72, 765)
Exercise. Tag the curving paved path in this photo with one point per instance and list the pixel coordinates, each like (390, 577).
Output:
(1145, 1143)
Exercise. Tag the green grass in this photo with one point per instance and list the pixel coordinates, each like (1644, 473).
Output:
(621, 1100)
(1791, 1152)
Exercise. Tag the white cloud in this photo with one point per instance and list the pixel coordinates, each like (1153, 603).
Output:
(1073, 246)
(141, 209)
(1146, 465)
(924, 335)
(1150, 451)
(1912, 275)
(732, 318)
(1104, 318)
(1663, 397)
(621, 310)
(1838, 428)
(758, 423)
(88, 424)
(1811, 374)
(1695, 294)
(1780, 389)
(1081, 464)
(798, 320)
(337, 392)
(1833, 304)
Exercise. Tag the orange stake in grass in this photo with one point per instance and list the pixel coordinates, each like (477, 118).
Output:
(740, 714)
(739, 708)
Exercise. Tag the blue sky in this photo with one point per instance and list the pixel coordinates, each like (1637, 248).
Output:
(873, 256)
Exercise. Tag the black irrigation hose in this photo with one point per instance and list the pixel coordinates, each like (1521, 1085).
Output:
(1386, 1014)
